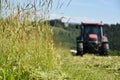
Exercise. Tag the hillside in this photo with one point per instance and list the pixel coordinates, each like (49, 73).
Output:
(112, 31)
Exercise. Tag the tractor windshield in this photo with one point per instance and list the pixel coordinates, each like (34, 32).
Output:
(92, 30)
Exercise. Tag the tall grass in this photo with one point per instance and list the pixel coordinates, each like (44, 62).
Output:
(26, 47)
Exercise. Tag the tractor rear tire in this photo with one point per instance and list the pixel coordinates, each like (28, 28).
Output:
(104, 50)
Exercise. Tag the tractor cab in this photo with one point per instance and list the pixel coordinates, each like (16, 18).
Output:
(91, 31)
(91, 39)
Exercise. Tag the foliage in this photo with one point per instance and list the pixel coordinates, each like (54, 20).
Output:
(65, 37)
(57, 23)
(26, 52)
(27, 48)
(112, 32)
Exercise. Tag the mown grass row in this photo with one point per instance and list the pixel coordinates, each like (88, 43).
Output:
(89, 67)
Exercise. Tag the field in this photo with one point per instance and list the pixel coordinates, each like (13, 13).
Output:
(90, 67)
(30, 53)
(33, 50)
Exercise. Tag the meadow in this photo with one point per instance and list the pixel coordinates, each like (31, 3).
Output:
(32, 50)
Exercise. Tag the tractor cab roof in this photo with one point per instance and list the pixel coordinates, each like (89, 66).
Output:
(92, 24)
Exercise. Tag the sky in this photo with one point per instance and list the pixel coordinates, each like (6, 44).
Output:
(77, 11)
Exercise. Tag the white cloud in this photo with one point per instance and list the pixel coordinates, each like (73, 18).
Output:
(55, 16)
(74, 19)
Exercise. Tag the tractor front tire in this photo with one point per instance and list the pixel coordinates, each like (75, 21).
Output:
(80, 49)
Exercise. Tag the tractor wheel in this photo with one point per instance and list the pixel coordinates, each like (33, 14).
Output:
(104, 50)
(79, 53)
(80, 49)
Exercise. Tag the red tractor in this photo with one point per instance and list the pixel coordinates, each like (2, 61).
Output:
(91, 39)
